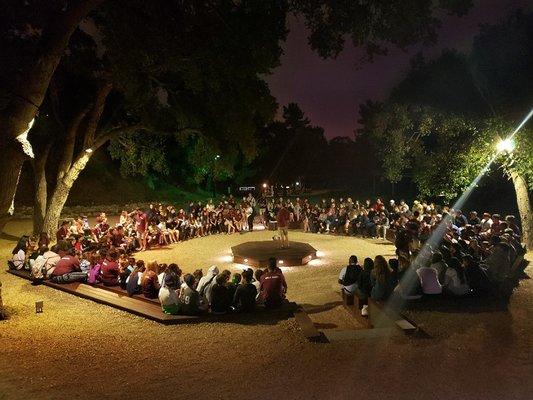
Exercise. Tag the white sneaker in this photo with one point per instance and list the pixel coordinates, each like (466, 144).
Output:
(364, 311)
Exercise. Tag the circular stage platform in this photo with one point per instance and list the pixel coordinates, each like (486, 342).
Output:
(256, 254)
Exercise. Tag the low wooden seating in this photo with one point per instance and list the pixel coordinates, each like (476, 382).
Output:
(354, 304)
(116, 297)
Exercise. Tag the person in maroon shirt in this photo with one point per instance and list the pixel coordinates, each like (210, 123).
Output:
(283, 225)
(141, 226)
(273, 285)
(110, 269)
(63, 231)
(67, 264)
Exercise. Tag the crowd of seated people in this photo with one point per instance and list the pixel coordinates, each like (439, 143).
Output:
(161, 225)
(219, 292)
(467, 256)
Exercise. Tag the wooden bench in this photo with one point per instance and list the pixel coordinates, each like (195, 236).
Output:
(378, 315)
(354, 305)
(115, 298)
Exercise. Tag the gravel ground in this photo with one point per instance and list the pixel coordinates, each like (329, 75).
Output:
(79, 349)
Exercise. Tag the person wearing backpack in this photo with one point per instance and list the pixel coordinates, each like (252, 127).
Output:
(349, 276)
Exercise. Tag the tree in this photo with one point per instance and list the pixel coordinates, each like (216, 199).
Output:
(174, 92)
(33, 38)
(445, 146)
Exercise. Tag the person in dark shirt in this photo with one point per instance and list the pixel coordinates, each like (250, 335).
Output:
(273, 286)
(220, 296)
(190, 298)
(244, 298)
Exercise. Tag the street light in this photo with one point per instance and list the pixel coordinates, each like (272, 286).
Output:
(505, 145)
(265, 185)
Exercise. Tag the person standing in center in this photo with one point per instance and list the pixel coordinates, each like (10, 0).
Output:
(282, 219)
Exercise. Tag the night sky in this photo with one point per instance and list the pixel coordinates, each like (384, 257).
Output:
(330, 91)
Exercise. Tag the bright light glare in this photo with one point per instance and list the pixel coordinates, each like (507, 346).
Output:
(505, 145)
(265, 185)
(89, 150)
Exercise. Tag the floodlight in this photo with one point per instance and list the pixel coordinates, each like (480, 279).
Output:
(505, 145)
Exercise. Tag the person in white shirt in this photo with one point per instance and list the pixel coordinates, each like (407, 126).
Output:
(19, 253)
(349, 276)
(455, 279)
(429, 280)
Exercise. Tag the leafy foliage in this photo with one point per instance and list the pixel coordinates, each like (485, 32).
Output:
(439, 124)
(372, 24)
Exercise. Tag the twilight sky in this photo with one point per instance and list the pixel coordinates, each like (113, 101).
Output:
(330, 91)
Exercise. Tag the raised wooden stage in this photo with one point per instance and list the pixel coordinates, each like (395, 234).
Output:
(256, 253)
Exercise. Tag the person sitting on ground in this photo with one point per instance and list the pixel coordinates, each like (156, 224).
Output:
(257, 283)
(381, 278)
(349, 276)
(149, 283)
(364, 284)
(168, 297)
(44, 265)
(206, 283)
(437, 262)
(68, 269)
(63, 232)
(18, 261)
(220, 296)
(235, 282)
(246, 293)
(110, 269)
(476, 276)
(190, 300)
(455, 279)
(429, 280)
(408, 286)
(67, 264)
(133, 282)
(273, 285)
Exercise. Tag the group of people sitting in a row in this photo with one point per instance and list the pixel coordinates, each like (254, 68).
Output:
(161, 225)
(189, 294)
(410, 278)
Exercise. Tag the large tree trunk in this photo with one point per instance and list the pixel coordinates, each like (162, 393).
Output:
(27, 94)
(60, 195)
(41, 189)
(524, 208)
(11, 160)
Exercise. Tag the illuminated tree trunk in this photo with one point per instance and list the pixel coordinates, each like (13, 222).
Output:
(524, 208)
(60, 195)
(27, 94)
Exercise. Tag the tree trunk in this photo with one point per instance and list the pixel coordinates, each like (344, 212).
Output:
(26, 96)
(11, 160)
(524, 208)
(60, 195)
(41, 189)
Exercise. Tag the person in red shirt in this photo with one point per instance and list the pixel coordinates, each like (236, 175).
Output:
(141, 226)
(273, 286)
(110, 269)
(283, 226)
(63, 231)
(67, 264)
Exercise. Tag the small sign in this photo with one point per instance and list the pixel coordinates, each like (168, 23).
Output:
(38, 307)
